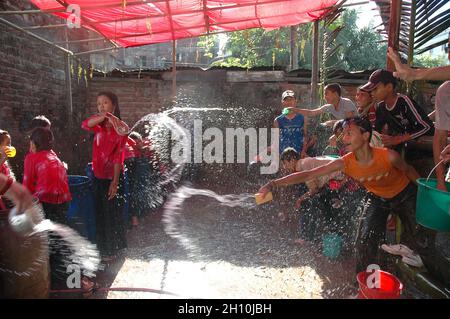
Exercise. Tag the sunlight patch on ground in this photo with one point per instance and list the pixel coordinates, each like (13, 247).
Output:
(217, 279)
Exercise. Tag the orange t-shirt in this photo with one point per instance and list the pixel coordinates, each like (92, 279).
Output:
(380, 178)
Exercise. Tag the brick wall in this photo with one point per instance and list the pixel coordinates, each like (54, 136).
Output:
(243, 104)
(33, 81)
(137, 97)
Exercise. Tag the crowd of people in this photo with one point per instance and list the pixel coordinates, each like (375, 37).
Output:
(369, 168)
(115, 152)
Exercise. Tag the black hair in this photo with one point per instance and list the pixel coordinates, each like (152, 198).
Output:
(338, 125)
(289, 154)
(135, 136)
(3, 135)
(362, 122)
(390, 80)
(334, 87)
(114, 100)
(42, 138)
(40, 121)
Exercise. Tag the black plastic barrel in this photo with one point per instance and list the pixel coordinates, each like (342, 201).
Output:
(81, 213)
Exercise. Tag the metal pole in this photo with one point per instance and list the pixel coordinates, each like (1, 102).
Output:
(94, 51)
(31, 11)
(51, 26)
(12, 25)
(81, 41)
(394, 29)
(69, 83)
(174, 70)
(315, 64)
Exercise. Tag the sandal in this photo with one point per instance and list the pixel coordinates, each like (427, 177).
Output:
(413, 260)
(399, 249)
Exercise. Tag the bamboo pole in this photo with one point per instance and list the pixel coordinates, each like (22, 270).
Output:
(174, 70)
(394, 29)
(315, 64)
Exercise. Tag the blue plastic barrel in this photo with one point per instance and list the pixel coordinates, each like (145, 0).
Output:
(81, 213)
(89, 171)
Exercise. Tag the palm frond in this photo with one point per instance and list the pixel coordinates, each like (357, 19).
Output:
(420, 22)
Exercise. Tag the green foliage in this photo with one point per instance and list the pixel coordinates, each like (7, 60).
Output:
(258, 47)
(361, 49)
(428, 61)
(210, 44)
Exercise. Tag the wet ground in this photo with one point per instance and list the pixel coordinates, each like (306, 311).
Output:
(215, 251)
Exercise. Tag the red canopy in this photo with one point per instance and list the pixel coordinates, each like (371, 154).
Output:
(132, 23)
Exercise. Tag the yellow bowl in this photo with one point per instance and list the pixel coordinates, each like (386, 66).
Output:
(10, 151)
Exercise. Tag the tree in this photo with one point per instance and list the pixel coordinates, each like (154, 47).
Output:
(258, 47)
(361, 49)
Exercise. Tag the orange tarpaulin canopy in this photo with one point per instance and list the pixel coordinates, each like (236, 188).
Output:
(130, 23)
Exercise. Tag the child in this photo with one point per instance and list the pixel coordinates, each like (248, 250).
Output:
(389, 180)
(5, 169)
(322, 206)
(45, 176)
(398, 118)
(366, 105)
(292, 126)
(340, 107)
(5, 141)
(40, 121)
(107, 166)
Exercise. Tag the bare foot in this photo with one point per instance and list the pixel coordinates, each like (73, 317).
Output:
(88, 286)
(300, 241)
(134, 221)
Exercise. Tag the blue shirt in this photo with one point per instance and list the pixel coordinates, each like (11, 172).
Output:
(291, 132)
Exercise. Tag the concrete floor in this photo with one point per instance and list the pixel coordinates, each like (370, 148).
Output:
(214, 251)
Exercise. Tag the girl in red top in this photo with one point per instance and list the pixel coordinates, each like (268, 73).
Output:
(5, 169)
(5, 140)
(45, 176)
(107, 166)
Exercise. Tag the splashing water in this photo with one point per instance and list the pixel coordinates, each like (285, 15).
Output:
(32, 223)
(173, 208)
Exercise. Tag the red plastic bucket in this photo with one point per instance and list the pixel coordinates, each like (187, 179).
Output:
(389, 287)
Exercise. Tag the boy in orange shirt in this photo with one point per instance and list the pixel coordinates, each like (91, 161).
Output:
(389, 180)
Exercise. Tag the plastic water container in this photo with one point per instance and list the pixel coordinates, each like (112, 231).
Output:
(332, 244)
(388, 287)
(81, 213)
(432, 205)
(89, 171)
(10, 151)
(259, 200)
